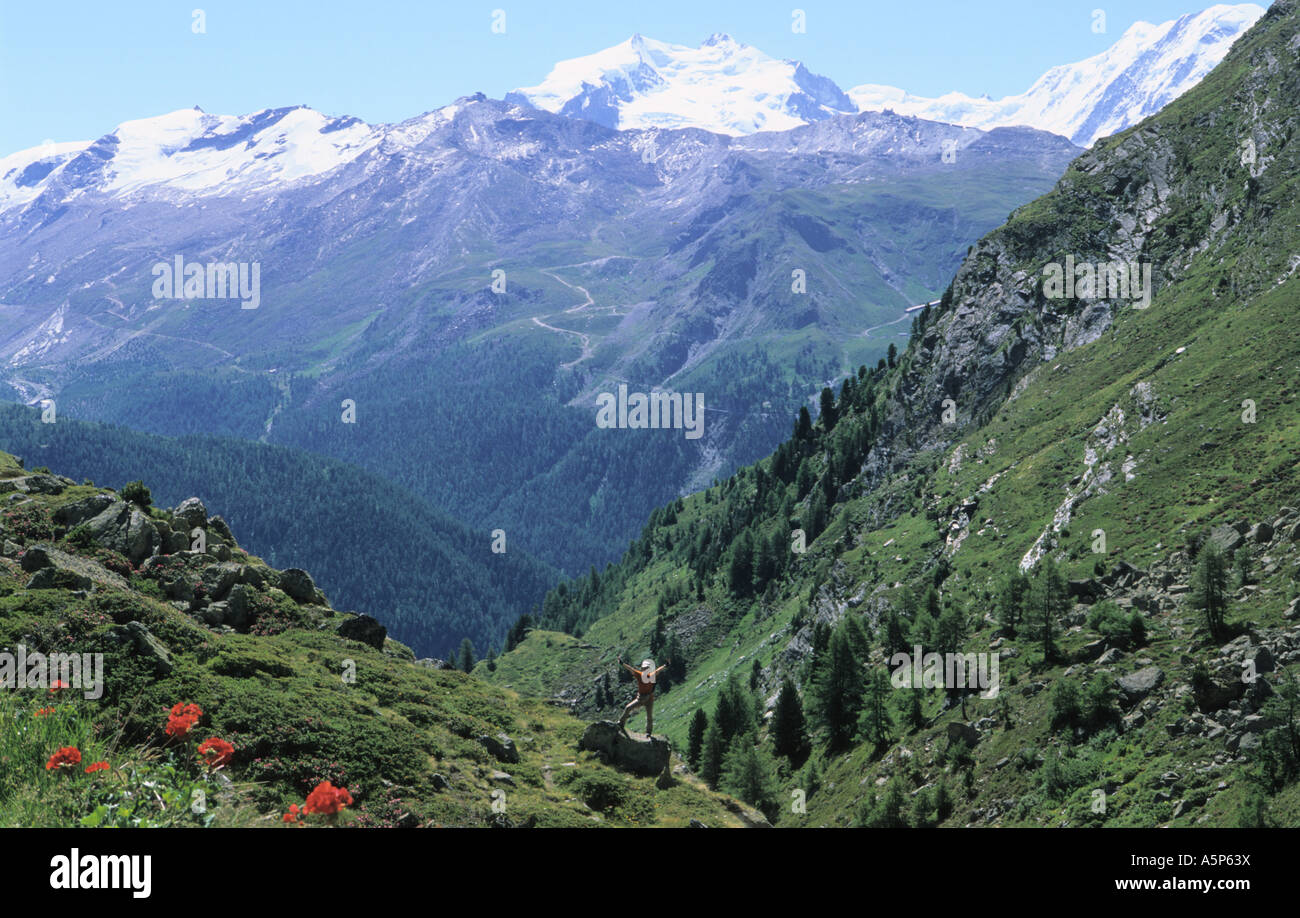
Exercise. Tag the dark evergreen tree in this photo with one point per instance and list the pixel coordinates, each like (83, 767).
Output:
(789, 733)
(749, 775)
(874, 723)
(676, 659)
(803, 427)
(695, 737)
(837, 692)
(657, 638)
(1210, 589)
(895, 636)
(1051, 600)
(518, 631)
(828, 409)
(910, 707)
(1011, 601)
(740, 574)
(466, 655)
(713, 755)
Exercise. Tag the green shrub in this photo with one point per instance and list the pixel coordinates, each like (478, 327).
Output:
(135, 492)
(1108, 620)
(1065, 708)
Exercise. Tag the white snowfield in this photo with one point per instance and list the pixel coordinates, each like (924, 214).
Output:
(192, 152)
(723, 86)
(1149, 67)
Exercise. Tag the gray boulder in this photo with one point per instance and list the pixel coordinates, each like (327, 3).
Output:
(501, 746)
(53, 568)
(144, 644)
(35, 558)
(122, 528)
(362, 628)
(1111, 656)
(77, 512)
(1212, 696)
(218, 525)
(434, 663)
(1086, 591)
(644, 756)
(239, 606)
(41, 484)
(49, 578)
(190, 514)
(1227, 538)
(218, 579)
(214, 613)
(298, 584)
(960, 732)
(1137, 685)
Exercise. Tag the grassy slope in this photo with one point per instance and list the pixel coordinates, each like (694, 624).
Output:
(280, 699)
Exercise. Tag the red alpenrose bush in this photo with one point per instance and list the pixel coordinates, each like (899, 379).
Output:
(182, 719)
(216, 752)
(327, 799)
(67, 757)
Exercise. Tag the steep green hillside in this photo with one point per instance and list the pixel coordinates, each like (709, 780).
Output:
(1064, 511)
(303, 694)
(375, 547)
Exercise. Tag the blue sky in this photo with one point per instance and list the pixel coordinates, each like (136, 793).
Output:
(76, 72)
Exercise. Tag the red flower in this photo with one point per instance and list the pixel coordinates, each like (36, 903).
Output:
(58, 684)
(182, 719)
(43, 712)
(216, 752)
(294, 815)
(327, 799)
(96, 766)
(66, 757)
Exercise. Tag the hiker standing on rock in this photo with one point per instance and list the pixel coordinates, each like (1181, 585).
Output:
(645, 693)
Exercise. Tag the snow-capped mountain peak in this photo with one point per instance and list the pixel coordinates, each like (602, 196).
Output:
(1146, 69)
(723, 86)
(190, 151)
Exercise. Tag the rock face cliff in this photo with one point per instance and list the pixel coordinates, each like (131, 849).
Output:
(1203, 180)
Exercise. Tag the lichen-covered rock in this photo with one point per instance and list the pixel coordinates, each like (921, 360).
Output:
(643, 755)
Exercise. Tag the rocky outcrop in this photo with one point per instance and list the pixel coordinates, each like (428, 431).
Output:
(365, 629)
(642, 755)
(123, 528)
(298, 584)
(963, 733)
(52, 568)
(144, 644)
(501, 747)
(190, 514)
(1137, 685)
(74, 514)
